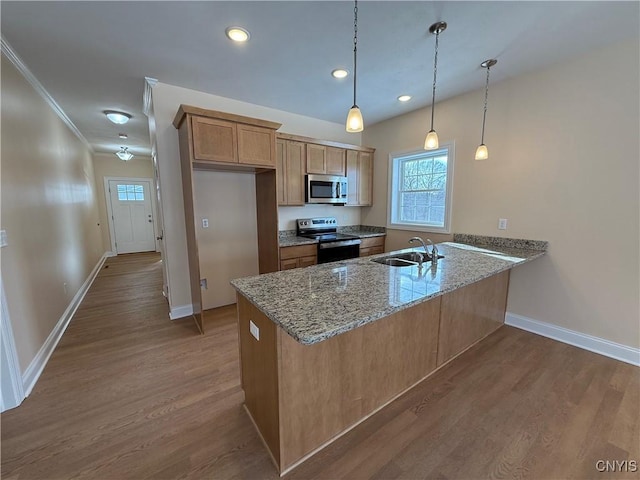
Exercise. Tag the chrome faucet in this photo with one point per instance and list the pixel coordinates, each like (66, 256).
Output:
(434, 249)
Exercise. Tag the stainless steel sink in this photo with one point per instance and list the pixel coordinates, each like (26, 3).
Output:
(408, 259)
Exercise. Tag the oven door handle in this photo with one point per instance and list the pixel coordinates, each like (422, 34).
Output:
(342, 243)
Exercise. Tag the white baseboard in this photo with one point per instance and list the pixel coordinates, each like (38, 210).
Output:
(604, 347)
(110, 254)
(180, 311)
(35, 368)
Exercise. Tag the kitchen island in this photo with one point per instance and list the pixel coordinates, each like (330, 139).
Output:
(324, 347)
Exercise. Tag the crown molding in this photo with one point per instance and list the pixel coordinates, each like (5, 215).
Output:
(147, 100)
(17, 62)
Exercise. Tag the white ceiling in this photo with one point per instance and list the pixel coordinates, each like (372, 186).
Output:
(93, 56)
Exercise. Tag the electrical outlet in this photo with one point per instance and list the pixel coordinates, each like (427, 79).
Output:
(205, 223)
(203, 283)
(502, 224)
(3, 238)
(255, 331)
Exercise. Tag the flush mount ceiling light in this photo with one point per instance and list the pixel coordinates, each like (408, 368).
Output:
(122, 135)
(124, 154)
(431, 142)
(404, 98)
(339, 73)
(237, 34)
(482, 153)
(119, 118)
(354, 118)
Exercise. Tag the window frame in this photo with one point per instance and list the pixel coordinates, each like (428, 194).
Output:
(395, 159)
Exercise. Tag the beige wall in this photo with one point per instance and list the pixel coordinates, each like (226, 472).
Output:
(108, 165)
(228, 249)
(563, 167)
(166, 100)
(48, 210)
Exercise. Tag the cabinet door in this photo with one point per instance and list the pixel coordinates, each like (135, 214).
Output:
(214, 140)
(289, 264)
(294, 172)
(316, 158)
(281, 171)
(365, 178)
(307, 261)
(335, 161)
(255, 145)
(352, 177)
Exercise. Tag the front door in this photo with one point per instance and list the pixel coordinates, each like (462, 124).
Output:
(132, 215)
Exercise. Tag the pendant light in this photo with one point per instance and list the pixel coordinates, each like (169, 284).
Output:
(354, 118)
(431, 142)
(482, 153)
(124, 154)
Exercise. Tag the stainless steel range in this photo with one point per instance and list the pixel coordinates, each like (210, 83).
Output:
(332, 246)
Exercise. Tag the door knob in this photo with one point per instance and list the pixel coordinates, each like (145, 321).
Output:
(159, 238)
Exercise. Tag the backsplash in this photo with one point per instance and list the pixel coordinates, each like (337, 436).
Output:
(346, 229)
(287, 216)
(484, 241)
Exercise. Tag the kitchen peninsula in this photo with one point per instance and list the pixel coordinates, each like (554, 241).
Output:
(324, 347)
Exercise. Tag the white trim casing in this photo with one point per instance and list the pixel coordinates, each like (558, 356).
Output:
(180, 311)
(598, 345)
(147, 98)
(37, 86)
(13, 394)
(35, 368)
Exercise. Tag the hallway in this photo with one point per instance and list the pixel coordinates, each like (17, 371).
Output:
(129, 394)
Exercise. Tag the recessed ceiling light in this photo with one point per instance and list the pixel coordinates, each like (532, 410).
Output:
(123, 135)
(339, 73)
(119, 118)
(237, 34)
(404, 98)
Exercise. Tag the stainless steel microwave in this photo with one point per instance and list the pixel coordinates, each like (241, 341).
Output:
(325, 189)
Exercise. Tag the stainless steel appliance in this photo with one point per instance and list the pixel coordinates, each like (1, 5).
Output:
(332, 246)
(325, 189)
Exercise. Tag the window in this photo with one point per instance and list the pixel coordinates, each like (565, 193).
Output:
(420, 190)
(130, 192)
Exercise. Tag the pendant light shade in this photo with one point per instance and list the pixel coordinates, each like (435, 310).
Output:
(354, 118)
(482, 152)
(124, 154)
(431, 142)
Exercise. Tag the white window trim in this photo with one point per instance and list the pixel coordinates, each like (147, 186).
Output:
(448, 200)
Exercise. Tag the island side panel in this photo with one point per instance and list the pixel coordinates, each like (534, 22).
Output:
(327, 387)
(471, 313)
(259, 371)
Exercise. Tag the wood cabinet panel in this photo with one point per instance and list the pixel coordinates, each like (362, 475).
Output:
(289, 264)
(371, 246)
(470, 314)
(214, 140)
(281, 171)
(298, 251)
(335, 164)
(316, 158)
(294, 178)
(307, 261)
(359, 167)
(255, 145)
(365, 252)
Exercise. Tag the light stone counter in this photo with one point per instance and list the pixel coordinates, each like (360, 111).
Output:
(315, 303)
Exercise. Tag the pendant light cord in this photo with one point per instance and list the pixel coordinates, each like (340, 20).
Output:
(486, 95)
(435, 71)
(355, 50)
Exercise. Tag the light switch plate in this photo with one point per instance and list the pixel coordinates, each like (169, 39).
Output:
(205, 223)
(3, 238)
(255, 331)
(502, 224)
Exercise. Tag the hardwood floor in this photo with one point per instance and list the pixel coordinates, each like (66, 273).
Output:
(130, 394)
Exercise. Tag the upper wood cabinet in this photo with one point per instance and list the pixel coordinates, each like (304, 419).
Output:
(316, 158)
(290, 171)
(360, 177)
(225, 138)
(322, 159)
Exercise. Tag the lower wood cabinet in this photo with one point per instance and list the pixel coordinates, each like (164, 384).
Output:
(371, 246)
(298, 256)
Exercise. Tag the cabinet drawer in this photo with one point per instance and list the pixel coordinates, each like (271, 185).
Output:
(372, 242)
(298, 251)
(307, 261)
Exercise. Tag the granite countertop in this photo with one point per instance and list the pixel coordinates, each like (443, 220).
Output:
(288, 238)
(318, 302)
